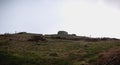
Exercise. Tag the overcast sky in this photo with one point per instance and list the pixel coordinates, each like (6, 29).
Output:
(98, 18)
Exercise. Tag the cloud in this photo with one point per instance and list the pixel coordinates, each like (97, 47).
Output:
(112, 3)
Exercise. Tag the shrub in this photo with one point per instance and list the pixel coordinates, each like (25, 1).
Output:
(22, 33)
(37, 38)
(53, 54)
(84, 63)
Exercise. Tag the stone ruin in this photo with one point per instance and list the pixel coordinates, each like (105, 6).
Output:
(62, 33)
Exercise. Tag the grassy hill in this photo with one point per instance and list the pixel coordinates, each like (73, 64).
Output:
(38, 49)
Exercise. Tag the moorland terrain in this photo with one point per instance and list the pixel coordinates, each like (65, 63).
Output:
(58, 49)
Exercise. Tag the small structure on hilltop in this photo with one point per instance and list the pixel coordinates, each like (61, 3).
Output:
(62, 33)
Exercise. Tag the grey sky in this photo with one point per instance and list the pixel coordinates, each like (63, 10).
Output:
(28, 15)
(84, 17)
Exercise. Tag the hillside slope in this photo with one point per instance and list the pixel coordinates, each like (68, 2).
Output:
(38, 49)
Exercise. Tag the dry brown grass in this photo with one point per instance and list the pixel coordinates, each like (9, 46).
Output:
(112, 57)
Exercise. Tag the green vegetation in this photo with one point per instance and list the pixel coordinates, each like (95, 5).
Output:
(51, 52)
